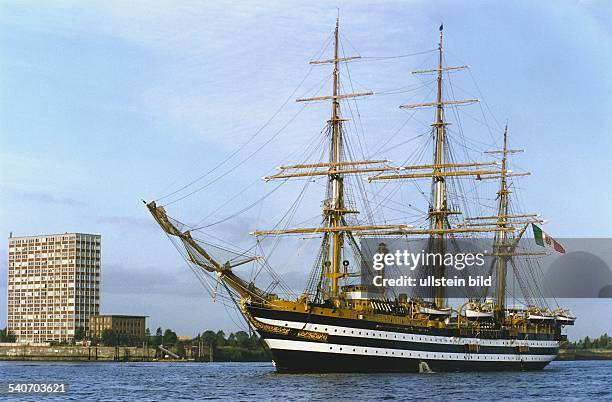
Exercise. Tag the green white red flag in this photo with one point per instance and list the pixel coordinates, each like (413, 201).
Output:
(544, 240)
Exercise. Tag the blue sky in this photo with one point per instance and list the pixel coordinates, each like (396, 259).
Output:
(105, 103)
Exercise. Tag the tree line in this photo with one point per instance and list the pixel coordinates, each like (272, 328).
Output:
(237, 346)
(603, 342)
(213, 345)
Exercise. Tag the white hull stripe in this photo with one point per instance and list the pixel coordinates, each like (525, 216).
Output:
(284, 344)
(398, 336)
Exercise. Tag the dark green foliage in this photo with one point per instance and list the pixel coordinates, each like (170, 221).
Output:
(237, 347)
(210, 338)
(221, 338)
(170, 337)
(109, 338)
(7, 336)
(603, 342)
(79, 334)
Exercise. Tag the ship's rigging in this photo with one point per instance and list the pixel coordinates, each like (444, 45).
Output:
(460, 202)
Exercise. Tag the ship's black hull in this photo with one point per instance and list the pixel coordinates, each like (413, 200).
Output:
(289, 361)
(302, 343)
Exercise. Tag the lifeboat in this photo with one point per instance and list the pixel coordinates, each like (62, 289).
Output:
(563, 317)
(477, 310)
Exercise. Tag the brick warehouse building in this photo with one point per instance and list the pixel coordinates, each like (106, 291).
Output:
(53, 285)
(129, 328)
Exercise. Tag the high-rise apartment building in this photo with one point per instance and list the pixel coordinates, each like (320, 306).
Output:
(53, 285)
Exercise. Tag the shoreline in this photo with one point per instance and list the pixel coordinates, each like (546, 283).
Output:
(584, 354)
(138, 354)
(65, 353)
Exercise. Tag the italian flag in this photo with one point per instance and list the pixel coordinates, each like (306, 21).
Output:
(544, 240)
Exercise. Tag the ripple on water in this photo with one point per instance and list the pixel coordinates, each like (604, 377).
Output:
(591, 380)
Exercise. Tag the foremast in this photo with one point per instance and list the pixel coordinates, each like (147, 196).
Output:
(335, 229)
(334, 213)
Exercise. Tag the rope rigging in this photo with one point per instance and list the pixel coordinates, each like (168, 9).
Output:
(388, 202)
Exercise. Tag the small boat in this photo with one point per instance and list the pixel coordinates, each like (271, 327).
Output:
(433, 311)
(477, 310)
(563, 317)
(539, 314)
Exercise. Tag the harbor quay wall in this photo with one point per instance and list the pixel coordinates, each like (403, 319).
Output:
(19, 352)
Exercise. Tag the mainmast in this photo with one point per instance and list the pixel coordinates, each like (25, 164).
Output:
(438, 215)
(439, 170)
(335, 228)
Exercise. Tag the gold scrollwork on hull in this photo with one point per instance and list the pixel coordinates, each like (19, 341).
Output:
(275, 329)
(271, 328)
(262, 326)
(315, 336)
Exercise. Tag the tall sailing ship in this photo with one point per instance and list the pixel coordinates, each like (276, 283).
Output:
(341, 325)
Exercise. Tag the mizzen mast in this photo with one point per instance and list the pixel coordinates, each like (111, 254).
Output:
(505, 221)
(502, 221)
(504, 247)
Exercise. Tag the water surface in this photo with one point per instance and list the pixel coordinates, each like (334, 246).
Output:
(574, 380)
